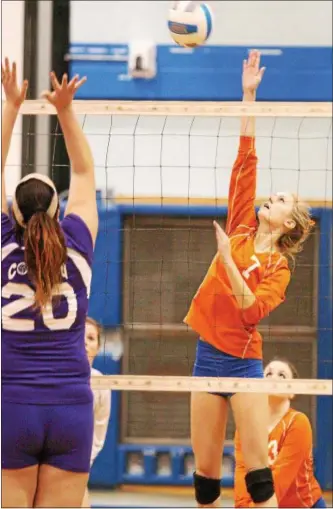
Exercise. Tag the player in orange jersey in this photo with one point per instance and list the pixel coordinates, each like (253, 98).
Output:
(245, 282)
(289, 450)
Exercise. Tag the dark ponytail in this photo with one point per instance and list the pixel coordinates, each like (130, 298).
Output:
(45, 254)
(45, 250)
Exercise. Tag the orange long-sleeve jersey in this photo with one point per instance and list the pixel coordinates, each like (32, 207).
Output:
(290, 458)
(214, 313)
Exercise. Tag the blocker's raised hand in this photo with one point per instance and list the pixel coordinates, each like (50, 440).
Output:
(15, 95)
(63, 93)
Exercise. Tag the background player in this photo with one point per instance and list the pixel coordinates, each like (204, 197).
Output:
(245, 282)
(289, 450)
(102, 398)
(47, 403)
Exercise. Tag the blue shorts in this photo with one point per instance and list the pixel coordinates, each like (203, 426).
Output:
(213, 363)
(320, 503)
(57, 435)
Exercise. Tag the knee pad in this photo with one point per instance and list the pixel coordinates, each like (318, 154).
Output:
(260, 484)
(207, 490)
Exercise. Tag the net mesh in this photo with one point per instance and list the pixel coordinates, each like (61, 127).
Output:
(187, 161)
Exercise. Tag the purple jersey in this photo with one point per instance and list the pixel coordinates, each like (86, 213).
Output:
(43, 353)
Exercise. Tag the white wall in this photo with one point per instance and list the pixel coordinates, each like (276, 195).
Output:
(193, 159)
(144, 163)
(260, 22)
(12, 28)
(171, 168)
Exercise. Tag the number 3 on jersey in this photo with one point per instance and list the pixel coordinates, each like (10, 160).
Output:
(26, 300)
(246, 273)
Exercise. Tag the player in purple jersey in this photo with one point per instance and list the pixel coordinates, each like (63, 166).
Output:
(47, 403)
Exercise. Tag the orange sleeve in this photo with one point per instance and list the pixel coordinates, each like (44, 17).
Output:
(296, 447)
(241, 495)
(242, 189)
(269, 294)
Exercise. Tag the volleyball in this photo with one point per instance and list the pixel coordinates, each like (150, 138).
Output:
(190, 23)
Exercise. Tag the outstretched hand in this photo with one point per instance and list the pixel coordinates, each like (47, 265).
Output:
(252, 73)
(62, 95)
(15, 95)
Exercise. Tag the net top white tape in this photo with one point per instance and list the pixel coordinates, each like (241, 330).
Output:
(205, 384)
(176, 108)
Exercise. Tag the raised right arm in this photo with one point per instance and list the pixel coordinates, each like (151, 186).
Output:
(82, 190)
(9, 115)
(242, 189)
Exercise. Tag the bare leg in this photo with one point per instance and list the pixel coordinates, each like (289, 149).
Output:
(19, 486)
(251, 418)
(86, 500)
(209, 415)
(60, 488)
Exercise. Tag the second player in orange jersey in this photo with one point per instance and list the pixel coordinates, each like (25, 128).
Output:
(245, 282)
(289, 450)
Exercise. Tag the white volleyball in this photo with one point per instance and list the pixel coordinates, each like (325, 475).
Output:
(190, 23)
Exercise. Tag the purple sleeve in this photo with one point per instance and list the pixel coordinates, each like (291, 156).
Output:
(7, 229)
(78, 236)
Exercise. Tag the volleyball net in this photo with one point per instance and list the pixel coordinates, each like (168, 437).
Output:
(163, 172)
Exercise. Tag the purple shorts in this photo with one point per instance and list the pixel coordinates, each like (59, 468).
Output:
(57, 435)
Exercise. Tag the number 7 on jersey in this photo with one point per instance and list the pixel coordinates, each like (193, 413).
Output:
(246, 273)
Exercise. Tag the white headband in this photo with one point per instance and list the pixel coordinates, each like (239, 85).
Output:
(52, 209)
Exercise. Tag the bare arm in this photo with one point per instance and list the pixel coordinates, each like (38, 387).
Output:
(251, 79)
(101, 417)
(82, 190)
(14, 98)
(9, 115)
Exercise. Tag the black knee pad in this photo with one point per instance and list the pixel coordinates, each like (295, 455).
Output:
(260, 484)
(206, 490)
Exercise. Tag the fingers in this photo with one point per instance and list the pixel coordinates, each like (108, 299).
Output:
(7, 68)
(254, 58)
(64, 81)
(47, 95)
(257, 60)
(6, 73)
(54, 81)
(262, 72)
(14, 72)
(218, 228)
(73, 82)
(24, 89)
(80, 83)
(71, 86)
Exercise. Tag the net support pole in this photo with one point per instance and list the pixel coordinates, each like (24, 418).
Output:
(44, 62)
